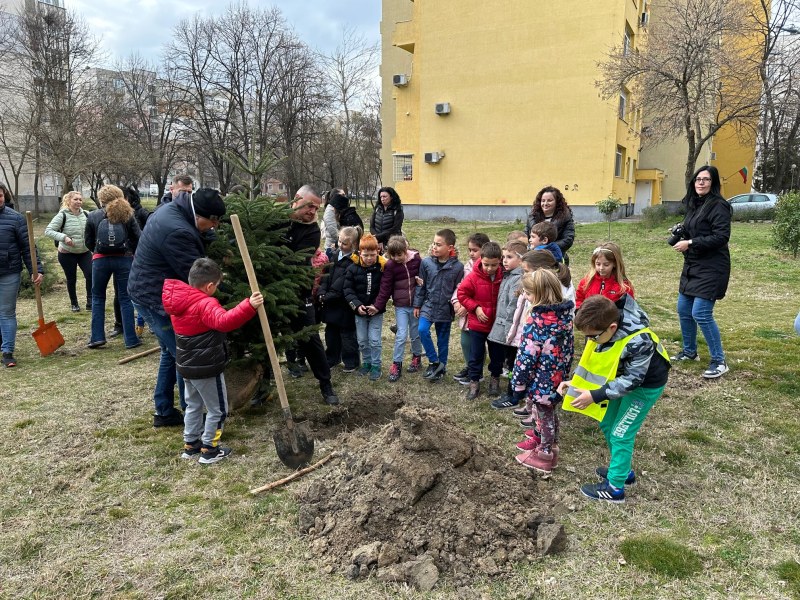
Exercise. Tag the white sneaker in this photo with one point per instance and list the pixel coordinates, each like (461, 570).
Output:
(715, 370)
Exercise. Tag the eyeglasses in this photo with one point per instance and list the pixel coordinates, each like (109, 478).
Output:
(597, 336)
(703, 179)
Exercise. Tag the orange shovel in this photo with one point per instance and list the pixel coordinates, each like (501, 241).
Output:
(47, 336)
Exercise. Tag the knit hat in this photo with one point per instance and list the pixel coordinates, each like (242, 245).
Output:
(208, 203)
(339, 201)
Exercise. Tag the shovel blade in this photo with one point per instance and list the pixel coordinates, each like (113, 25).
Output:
(48, 338)
(294, 445)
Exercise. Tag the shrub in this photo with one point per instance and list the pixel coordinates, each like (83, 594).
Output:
(786, 229)
(655, 216)
(608, 207)
(754, 214)
(659, 555)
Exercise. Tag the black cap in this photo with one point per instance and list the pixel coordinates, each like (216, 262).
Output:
(208, 203)
(339, 201)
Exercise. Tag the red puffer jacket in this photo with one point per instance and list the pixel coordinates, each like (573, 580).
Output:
(606, 286)
(476, 290)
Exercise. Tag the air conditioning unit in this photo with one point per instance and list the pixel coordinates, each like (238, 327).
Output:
(400, 80)
(443, 108)
(433, 157)
(645, 18)
(713, 156)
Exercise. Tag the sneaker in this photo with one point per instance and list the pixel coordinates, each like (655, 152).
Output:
(191, 449)
(8, 360)
(528, 423)
(395, 371)
(116, 332)
(462, 376)
(294, 369)
(301, 364)
(504, 401)
(429, 371)
(528, 444)
(375, 373)
(532, 434)
(393, 328)
(328, 395)
(136, 344)
(522, 412)
(683, 356)
(474, 390)
(173, 419)
(603, 491)
(364, 369)
(416, 363)
(494, 386)
(346, 369)
(539, 461)
(95, 345)
(602, 473)
(89, 305)
(76, 308)
(438, 372)
(209, 456)
(716, 369)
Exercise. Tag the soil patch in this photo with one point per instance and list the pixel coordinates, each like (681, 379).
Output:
(363, 409)
(422, 498)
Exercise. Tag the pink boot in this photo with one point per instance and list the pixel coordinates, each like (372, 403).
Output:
(541, 462)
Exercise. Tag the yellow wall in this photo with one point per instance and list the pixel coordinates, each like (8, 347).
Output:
(525, 111)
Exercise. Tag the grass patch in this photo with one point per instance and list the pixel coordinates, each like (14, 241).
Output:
(697, 437)
(23, 424)
(662, 556)
(676, 458)
(789, 571)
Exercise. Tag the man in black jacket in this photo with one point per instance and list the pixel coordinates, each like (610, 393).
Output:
(171, 242)
(304, 233)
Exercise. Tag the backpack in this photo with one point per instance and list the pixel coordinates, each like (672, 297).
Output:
(111, 238)
(64, 222)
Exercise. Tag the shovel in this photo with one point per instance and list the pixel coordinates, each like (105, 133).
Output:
(293, 443)
(47, 336)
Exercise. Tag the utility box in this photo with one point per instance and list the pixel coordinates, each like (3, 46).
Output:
(400, 80)
(442, 108)
(433, 157)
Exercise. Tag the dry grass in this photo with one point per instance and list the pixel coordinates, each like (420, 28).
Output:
(97, 503)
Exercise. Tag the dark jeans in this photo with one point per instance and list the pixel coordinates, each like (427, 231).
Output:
(312, 347)
(69, 263)
(102, 270)
(341, 345)
(477, 354)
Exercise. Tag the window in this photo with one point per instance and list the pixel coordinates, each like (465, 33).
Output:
(623, 104)
(627, 40)
(403, 167)
(759, 198)
(619, 161)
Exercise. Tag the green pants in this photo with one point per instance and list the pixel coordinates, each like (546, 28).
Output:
(620, 425)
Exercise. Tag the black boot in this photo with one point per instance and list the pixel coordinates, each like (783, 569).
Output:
(328, 395)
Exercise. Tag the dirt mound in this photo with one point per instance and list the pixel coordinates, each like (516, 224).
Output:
(421, 498)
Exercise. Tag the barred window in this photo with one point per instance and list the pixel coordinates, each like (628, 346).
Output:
(402, 167)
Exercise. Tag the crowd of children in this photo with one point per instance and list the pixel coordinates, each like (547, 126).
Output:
(516, 303)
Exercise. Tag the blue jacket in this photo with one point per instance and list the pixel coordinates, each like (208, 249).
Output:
(554, 249)
(14, 245)
(169, 245)
(439, 281)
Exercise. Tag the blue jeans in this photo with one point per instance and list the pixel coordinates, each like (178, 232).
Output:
(407, 327)
(9, 288)
(164, 394)
(693, 311)
(368, 330)
(442, 339)
(102, 270)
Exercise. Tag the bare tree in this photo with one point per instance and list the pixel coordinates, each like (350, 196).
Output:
(693, 74)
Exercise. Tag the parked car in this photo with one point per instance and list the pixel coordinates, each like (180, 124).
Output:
(754, 201)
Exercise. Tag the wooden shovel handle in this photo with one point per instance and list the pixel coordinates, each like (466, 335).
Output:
(32, 243)
(262, 316)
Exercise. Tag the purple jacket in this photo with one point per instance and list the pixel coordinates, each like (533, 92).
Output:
(398, 281)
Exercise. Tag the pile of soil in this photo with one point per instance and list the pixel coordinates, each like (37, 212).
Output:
(421, 498)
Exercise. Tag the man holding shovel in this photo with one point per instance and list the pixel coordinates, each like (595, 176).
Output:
(171, 242)
(14, 251)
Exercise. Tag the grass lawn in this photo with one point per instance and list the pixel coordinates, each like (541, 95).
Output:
(97, 503)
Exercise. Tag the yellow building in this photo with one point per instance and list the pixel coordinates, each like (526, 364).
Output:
(485, 103)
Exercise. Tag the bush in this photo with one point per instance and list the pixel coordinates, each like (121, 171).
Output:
(52, 270)
(786, 229)
(655, 216)
(754, 214)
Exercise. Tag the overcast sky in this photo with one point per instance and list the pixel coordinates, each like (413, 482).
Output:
(143, 25)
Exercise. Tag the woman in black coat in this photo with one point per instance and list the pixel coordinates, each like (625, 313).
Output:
(346, 215)
(551, 206)
(703, 240)
(387, 219)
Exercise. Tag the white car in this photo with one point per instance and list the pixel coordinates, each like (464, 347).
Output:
(754, 201)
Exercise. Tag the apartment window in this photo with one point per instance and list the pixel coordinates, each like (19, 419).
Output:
(619, 161)
(623, 104)
(403, 169)
(627, 40)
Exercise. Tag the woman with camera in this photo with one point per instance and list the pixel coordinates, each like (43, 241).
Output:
(702, 238)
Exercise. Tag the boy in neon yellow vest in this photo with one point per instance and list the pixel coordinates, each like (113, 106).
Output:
(624, 368)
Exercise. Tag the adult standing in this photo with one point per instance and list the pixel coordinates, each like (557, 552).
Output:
(706, 229)
(180, 183)
(330, 228)
(112, 234)
(346, 215)
(67, 228)
(304, 234)
(387, 218)
(551, 206)
(171, 242)
(14, 251)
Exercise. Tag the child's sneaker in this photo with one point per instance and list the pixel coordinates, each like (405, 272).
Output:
(462, 376)
(532, 434)
(395, 371)
(602, 473)
(375, 373)
(528, 423)
(603, 491)
(347, 369)
(8, 360)
(438, 372)
(522, 412)
(294, 369)
(364, 369)
(211, 455)
(683, 356)
(416, 363)
(528, 444)
(539, 461)
(716, 369)
(429, 371)
(191, 449)
(504, 401)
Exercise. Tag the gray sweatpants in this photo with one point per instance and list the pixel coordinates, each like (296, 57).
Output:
(210, 393)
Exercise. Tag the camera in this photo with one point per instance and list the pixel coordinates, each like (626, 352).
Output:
(678, 233)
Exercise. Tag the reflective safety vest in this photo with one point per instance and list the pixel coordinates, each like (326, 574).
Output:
(597, 368)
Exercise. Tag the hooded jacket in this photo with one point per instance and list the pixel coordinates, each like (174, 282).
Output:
(553, 249)
(565, 229)
(507, 301)
(545, 353)
(386, 221)
(707, 262)
(480, 290)
(361, 283)
(168, 247)
(439, 281)
(399, 281)
(200, 324)
(640, 365)
(335, 308)
(14, 245)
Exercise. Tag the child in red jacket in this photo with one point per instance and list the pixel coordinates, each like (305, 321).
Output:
(606, 277)
(200, 324)
(478, 294)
